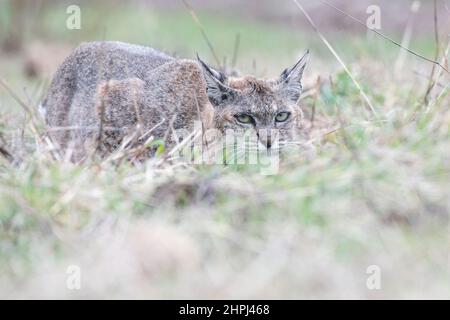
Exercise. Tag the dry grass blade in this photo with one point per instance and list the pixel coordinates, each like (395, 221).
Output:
(6, 154)
(431, 80)
(16, 97)
(425, 76)
(143, 136)
(101, 124)
(445, 88)
(202, 30)
(382, 35)
(191, 137)
(415, 5)
(338, 58)
(315, 96)
(23, 104)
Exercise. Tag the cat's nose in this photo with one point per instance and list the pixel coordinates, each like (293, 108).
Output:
(266, 140)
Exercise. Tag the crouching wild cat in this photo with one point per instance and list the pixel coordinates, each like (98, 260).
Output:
(116, 86)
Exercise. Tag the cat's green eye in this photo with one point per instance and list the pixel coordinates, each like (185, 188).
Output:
(244, 118)
(282, 116)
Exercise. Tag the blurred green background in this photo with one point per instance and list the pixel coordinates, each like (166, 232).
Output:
(269, 36)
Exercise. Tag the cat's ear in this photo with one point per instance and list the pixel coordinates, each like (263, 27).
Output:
(290, 79)
(216, 88)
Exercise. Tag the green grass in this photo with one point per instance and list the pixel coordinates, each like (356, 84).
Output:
(375, 192)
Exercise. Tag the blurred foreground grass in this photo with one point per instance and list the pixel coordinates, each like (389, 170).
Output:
(376, 192)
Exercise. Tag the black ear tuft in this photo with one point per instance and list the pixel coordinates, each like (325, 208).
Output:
(216, 88)
(290, 79)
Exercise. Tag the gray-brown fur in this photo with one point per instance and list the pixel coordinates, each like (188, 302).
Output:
(117, 86)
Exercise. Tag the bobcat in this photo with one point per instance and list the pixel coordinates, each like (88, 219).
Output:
(116, 86)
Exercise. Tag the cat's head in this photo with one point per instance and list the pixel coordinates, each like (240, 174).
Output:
(264, 106)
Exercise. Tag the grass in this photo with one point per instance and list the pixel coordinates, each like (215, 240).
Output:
(375, 193)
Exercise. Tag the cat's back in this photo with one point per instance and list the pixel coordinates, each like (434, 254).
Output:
(69, 100)
(115, 60)
(95, 62)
